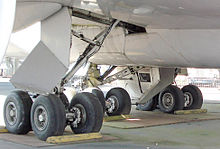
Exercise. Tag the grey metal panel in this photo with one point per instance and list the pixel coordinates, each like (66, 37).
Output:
(56, 33)
(40, 72)
(151, 49)
(28, 13)
(165, 14)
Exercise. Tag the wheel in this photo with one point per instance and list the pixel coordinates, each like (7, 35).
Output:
(17, 109)
(88, 113)
(98, 93)
(64, 100)
(150, 105)
(48, 117)
(193, 97)
(171, 99)
(118, 102)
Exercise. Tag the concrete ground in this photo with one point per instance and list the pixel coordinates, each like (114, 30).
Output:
(192, 135)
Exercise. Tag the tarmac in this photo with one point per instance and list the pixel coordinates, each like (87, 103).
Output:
(196, 131)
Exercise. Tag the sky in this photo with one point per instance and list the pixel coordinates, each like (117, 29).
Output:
(27, 38)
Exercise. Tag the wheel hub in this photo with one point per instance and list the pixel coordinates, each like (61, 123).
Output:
(188, 99)
(111, 104)
(79, 115)
(168, 100)
(11, 113)
(40, 118)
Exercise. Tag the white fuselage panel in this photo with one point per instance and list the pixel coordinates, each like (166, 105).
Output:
(28, 13)
(166, 14)
(157, 47)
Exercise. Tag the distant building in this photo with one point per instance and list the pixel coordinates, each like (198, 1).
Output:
(203, 73)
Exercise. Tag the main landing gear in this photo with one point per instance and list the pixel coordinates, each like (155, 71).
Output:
(49, 114)
(173, 98)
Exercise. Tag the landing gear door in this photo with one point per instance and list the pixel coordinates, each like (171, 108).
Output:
(48, 62)
(40, 72)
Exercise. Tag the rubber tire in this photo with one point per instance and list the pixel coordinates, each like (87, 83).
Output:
(94, 112)
(150, 105)
(124, 101)
(178, 99)
(23, 103)
(64, 100)
(56, 116)
(98, 93)
(197, 96)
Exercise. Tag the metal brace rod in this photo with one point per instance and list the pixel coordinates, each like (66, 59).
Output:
(90, 50)
(121, 74)
(81, 36)
(109, 71)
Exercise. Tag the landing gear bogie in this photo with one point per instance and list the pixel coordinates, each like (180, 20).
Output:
(49, 113)
(48, 116)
